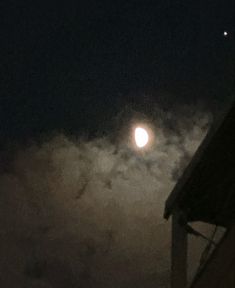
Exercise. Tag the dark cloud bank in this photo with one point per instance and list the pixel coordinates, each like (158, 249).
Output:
(77, 213)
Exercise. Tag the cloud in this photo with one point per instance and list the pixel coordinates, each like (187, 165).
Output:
(90, 213)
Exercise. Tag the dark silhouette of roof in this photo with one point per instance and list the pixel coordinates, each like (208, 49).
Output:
(206, 191)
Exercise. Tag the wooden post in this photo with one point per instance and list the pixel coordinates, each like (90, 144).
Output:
(178, 253)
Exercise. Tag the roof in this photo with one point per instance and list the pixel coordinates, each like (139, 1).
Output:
(206, 190)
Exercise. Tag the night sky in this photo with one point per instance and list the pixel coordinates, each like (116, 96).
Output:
(75, 67)
(80, 205)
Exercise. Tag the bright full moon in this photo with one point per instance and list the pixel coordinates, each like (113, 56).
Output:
(141, 137)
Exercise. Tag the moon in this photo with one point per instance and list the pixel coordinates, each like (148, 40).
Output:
(141, 137)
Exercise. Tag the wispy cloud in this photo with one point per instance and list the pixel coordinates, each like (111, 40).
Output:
(89, 213)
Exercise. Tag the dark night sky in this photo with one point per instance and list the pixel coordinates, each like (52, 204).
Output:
(79, 209)
(75, 67)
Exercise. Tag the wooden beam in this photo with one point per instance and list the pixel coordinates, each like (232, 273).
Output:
(178, 253)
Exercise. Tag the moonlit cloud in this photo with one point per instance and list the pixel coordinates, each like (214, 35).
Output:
(90, 213)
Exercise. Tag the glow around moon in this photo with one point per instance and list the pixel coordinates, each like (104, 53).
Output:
(141, 137)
